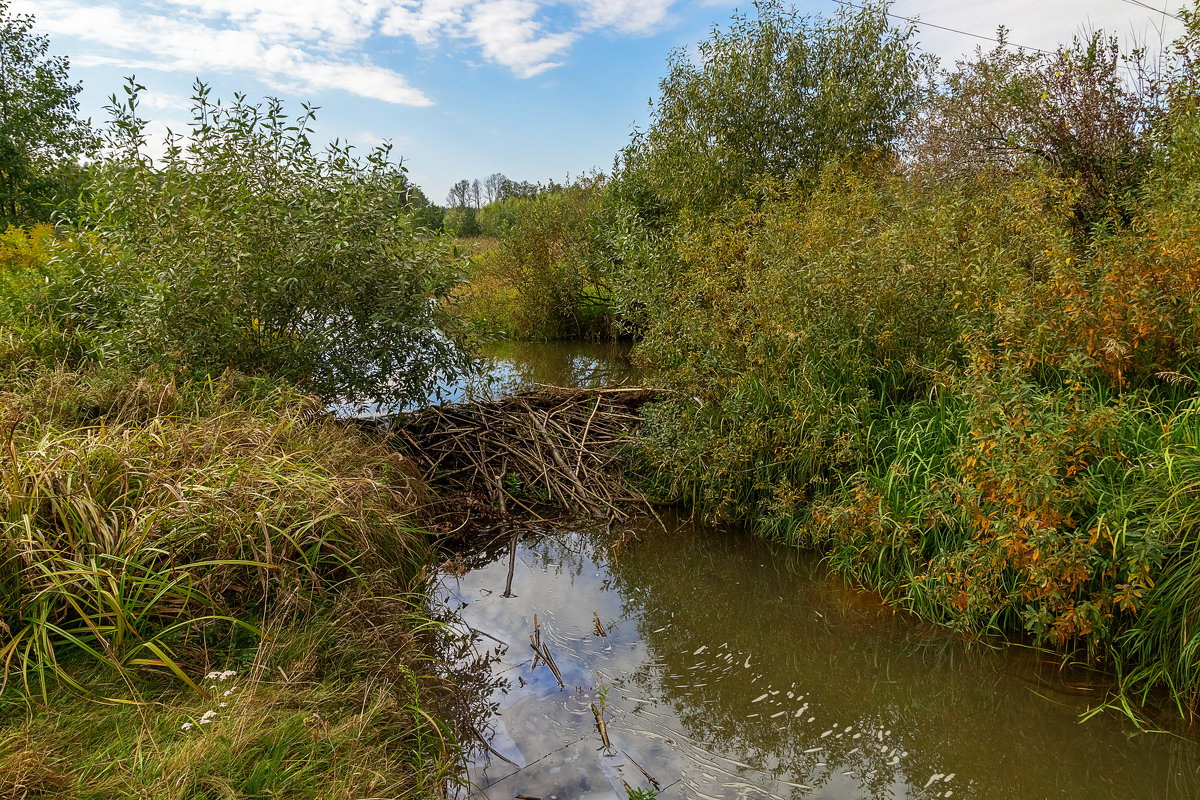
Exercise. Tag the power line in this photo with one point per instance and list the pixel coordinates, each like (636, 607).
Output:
(1149, 7)
(915, 21)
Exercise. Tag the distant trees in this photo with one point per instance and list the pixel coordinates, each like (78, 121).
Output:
(493, 187)
(470, 204)
(459, 195)
(41, 139)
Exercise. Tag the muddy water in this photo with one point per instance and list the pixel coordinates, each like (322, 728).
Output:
(733, 669)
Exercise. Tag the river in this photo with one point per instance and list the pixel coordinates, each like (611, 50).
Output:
(726, 667)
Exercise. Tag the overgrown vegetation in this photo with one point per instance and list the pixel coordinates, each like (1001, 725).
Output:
(546, 278)
(177, 503)
(940, 323)
(158, 528)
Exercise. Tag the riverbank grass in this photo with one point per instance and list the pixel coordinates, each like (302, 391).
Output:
(157, 531)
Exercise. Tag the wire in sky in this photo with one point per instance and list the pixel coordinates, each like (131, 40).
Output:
(914, 21)
(1149, 7)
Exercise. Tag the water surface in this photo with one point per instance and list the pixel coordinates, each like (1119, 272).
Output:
(505, 368)
(511, 367)
(734, 669)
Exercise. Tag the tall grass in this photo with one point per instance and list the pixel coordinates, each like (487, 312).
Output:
(155, 531)
(133, 538)
(1161, 647)
(331, 708)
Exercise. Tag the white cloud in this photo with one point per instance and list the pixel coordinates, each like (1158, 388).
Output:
(508, 33)
(626, 16)
(424, 20)
(189, 44)
(317, 45)
(163, 101)
(332, 23)
(1043, 24)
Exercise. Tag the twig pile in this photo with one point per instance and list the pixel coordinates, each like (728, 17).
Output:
(553, 446)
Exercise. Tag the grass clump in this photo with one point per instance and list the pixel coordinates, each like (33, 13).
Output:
(125, 539)
(323, 709)
(156, 532)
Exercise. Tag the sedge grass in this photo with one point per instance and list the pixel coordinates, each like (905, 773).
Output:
(133, 538)
(154, 531)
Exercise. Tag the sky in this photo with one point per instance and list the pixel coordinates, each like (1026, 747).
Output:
(534, 89)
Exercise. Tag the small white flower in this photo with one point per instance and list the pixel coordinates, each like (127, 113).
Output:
(229, 673)
(187, 726)
(212, 675)
(223, 705)
(226, 693)
(207, 716)
(205, 721)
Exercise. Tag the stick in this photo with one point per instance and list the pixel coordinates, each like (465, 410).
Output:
(512, 562)
(649, 777)
(602, 728)
(562, 465)
(586, 428)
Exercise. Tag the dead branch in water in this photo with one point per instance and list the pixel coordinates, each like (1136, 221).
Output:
(541, 651)
(602, 727)
(551, 447)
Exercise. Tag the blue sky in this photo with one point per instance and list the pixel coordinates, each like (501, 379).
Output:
(535, 89)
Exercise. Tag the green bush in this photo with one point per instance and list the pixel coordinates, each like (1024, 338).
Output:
(462, 222)
(246, 248)
(775, 94)
(546, 278)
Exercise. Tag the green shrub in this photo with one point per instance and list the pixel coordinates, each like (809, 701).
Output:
(461, 222)
(246, 248)
(545, 279)
(794, 323)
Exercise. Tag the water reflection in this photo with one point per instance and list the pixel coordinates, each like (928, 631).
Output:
(511, 367)
(734, 669)
(505, 368)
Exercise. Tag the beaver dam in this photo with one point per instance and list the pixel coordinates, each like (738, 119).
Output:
(533, 453)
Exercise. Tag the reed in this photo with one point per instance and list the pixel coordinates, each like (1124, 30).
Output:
(1161, 646)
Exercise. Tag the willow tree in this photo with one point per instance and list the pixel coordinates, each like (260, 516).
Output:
(245, 246)
(776, 94)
